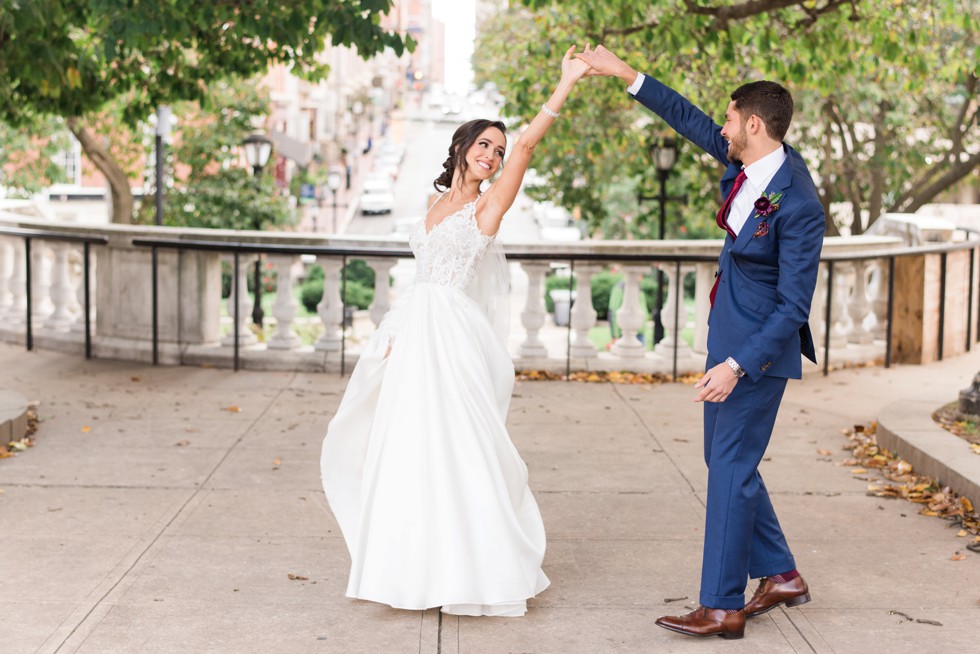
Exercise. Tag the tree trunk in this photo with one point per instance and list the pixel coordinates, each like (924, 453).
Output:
(122, 195)
(953, 173)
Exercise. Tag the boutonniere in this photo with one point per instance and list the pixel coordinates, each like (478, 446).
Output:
(765, 206)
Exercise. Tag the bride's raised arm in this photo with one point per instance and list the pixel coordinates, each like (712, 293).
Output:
(501, 194)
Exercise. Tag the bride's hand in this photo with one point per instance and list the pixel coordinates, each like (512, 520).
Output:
(573, 69)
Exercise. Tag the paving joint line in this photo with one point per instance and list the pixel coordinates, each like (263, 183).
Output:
(655, 439)
(163, 530)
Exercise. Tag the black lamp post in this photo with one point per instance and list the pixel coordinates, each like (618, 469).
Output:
(663, 153)
(333, 182)
(257, 151)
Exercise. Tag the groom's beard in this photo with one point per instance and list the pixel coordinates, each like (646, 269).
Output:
(737, 146)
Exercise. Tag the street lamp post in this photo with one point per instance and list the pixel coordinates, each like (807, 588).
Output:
(663, 153)
(161, 134)
(257, 151)
(334, 180)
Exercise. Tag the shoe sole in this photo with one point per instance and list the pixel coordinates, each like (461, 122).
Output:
(790, 603)
(727, 635)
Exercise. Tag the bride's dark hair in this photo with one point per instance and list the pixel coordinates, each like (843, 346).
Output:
(465, 135)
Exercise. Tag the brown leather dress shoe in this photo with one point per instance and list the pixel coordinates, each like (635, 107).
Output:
(769, 595)
(704, 621)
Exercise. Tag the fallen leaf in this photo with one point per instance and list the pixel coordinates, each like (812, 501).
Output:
(957, 557)
(961, 533)
(824, 452)
(232, 409)
(183, 443)
(135, 379)
(277, 462)
(86, 429)
(975, 447)
(18, 446)
(4, 454)
(858, 471)
(932, 622)
(293, 577)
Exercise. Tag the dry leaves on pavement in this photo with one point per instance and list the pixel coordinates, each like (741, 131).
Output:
(613, 376)
(938, 501)
(13, 447)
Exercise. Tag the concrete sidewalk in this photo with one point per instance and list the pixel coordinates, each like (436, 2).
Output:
(166, 509)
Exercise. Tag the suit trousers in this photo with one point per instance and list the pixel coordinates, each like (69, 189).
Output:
(742, 537)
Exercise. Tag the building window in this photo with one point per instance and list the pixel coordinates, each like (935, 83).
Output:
(71, 162)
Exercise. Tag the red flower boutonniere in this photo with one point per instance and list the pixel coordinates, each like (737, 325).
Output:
(765, 206)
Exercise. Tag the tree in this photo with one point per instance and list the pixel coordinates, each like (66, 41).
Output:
(68, 58)
(886, 94)
(206, 191)
(27, 162)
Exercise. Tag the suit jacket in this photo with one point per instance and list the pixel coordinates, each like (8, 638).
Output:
(767, 274)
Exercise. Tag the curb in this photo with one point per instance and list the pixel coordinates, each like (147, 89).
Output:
(907, 428)
(13, 417)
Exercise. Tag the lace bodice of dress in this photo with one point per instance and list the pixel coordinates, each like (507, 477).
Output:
(449, 254)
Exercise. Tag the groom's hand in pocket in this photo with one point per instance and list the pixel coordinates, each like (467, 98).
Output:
(716, 384)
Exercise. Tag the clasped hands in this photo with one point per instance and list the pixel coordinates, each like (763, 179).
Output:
(593, 63)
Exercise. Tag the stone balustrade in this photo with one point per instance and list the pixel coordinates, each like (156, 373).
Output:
(195, 330)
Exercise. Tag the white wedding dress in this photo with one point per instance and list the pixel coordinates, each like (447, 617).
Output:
(430, 493)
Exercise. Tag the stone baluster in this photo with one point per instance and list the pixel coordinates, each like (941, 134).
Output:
(532, 318)
(78, 304)
(583, 313)
(630, 316)
(17, 309)
(62, 293)
(704, 279)
(41, 304)
(818, 309)
(331, 306)
(245, 335)
(858, 305)
(382, 288)
(839, 318)
(674, 302)
(879, 299)
(285, 307)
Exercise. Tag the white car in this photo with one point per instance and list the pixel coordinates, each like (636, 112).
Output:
(377, 196)
(387, 165)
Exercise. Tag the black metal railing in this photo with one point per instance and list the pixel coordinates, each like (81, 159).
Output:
(87, 241)
(238, 248)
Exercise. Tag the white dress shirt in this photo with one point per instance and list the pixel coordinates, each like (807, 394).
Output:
(757, 177)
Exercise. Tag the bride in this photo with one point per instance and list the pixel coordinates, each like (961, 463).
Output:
(426, 485)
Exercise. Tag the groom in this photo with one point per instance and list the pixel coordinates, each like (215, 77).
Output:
(767, 271)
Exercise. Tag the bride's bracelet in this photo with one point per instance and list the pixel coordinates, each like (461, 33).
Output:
(547, 110)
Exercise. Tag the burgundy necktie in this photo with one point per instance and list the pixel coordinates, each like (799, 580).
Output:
(722, 220)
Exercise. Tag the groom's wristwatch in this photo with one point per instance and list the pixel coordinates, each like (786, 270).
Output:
(737, 369)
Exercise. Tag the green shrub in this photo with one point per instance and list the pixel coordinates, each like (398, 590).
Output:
(357, 294)
(602, 285)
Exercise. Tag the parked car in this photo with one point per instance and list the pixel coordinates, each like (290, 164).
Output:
(387, 165)
(377, 196)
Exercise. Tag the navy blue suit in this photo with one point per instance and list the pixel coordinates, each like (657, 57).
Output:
(759, 318)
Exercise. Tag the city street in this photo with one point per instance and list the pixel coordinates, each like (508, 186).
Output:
(426, 135)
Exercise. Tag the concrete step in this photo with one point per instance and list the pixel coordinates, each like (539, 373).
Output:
(13, 417)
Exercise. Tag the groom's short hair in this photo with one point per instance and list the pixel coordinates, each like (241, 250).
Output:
(769, 101)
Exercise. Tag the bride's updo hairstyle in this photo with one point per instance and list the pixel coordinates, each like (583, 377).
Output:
(464, 137)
